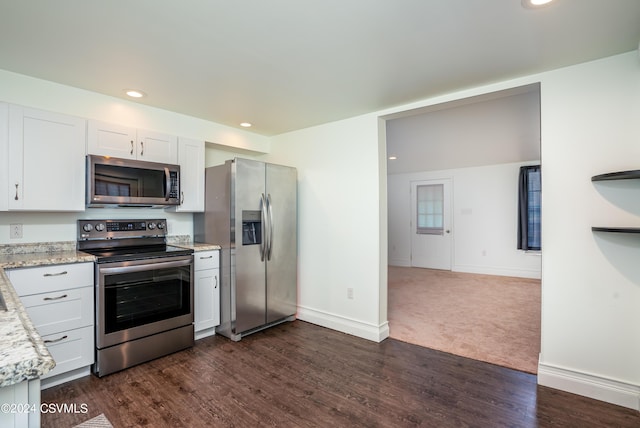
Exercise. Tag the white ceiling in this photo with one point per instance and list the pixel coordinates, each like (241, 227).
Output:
(289, 64)
(496, 128)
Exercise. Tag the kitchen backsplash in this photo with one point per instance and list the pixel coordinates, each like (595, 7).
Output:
(39, 247)
(40, 227)
(53, 247)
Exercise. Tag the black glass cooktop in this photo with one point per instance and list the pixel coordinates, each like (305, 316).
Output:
(108, 255)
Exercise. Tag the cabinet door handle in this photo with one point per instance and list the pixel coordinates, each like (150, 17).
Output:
(16, 198)
(56, 298)
(216, 286)
(56, 340)
(131, 147)
(141, 148)
(64, 272)
(204, 258)
(182, 198)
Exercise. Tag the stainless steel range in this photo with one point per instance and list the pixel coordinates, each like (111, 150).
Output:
(144, 292)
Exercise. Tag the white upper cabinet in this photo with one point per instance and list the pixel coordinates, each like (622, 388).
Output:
(191, 161)
(4, 156)
(108, 139)
(157, 147)
(46, 161)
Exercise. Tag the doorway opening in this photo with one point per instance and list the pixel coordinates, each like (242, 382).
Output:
(456, 261)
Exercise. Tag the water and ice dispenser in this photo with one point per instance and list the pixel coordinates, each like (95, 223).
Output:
(251, 228)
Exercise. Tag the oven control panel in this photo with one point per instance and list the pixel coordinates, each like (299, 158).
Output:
(114, 229)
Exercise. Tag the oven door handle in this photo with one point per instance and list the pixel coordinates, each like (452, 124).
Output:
(143, 267)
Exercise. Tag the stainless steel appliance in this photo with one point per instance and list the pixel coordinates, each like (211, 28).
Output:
(144, 292)
(251, 212)
(128, 182)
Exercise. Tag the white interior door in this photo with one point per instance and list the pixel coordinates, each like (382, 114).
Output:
(431, 228)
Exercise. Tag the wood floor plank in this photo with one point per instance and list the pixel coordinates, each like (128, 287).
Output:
(301, 375)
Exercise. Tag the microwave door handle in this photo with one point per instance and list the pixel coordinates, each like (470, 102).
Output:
(167, 184)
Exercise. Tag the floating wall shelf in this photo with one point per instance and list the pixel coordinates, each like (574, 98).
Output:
(617, 229)
(622, 175)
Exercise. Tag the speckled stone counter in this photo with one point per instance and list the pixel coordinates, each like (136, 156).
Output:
(23, 354)
(184, 241)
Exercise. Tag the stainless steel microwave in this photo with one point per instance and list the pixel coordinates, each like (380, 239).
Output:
(131, 183)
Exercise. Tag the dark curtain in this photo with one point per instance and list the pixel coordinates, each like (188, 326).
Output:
(529, 208)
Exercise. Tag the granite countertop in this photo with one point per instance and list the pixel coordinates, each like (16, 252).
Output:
(23, 354)
(200, 246)
(12, 261)
(185, 242)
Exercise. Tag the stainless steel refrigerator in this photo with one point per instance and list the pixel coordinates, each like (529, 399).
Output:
(251, 212)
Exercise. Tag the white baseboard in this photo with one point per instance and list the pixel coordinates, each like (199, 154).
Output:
(204, 333)
(599, 388)
(376, 333)
(65, 377)
(499, 271)
(399, 262)
(483, 270)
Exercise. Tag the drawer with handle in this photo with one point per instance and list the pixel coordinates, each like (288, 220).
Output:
(206, 260)
(60, 310)
(41, 279)
(70, 350)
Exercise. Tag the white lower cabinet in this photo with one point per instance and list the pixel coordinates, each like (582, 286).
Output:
(22, 402)
(61, 310)
(4, 156)
(71, 350)
(206, 299)
(59, 301)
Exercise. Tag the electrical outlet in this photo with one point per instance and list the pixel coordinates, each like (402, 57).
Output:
(350, 293)
(15, 231)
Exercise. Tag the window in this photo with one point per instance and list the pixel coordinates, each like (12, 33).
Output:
(529, 208)
(430, 212)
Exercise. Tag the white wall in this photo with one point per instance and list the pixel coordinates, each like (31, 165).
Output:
(339, 219)
(484, 208)
(49, 227)
(215, 155)
(590, 282)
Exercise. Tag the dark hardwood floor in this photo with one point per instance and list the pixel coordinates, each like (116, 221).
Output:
(301, 375)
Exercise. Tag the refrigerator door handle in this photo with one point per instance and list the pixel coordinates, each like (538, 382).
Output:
(263, 232)
(270, 212)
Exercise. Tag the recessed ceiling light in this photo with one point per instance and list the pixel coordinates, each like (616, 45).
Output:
(135, 93)
(245, 125)
(393, 157)
(534, 4)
